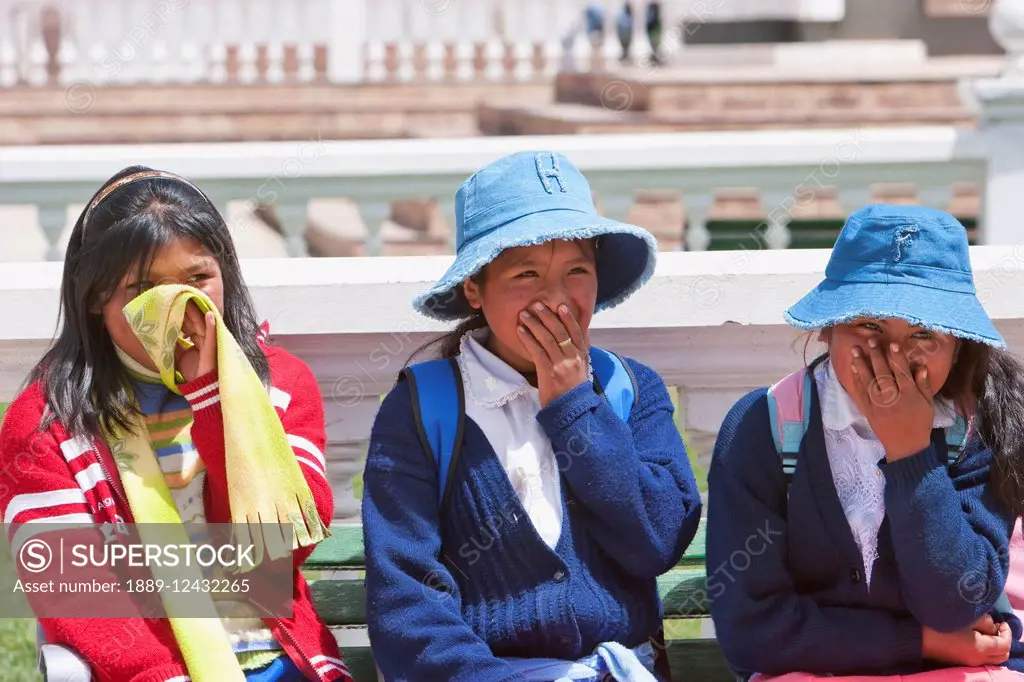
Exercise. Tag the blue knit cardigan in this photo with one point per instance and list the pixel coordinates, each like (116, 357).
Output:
(786, 578)
(449, 593)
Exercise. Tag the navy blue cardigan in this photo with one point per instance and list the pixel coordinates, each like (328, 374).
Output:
(450, 593)
(785, 577)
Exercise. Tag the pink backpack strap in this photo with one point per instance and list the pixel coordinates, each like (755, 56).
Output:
(789, 413)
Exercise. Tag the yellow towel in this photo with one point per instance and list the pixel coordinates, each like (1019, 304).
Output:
(265, 484)
(203, 642)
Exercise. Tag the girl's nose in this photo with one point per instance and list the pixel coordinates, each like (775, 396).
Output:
(555, 302)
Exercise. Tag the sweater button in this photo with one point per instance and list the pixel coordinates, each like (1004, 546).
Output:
(559, 576)
(564, 640)
(855, 575)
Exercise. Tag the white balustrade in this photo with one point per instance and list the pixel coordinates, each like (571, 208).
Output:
(247, 41)
(787, 167)
(8, 48)
(710, 323)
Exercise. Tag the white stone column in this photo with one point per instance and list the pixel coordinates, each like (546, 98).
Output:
(697, 206)
(999, 104)
(778, 206)
(348, 22)
(374, 213)
(53, 219)
(293, 212)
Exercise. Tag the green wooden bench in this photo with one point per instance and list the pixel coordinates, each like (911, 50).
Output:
(337, 567)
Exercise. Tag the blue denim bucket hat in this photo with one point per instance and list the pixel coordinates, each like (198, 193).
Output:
(906, 262)
(530, 198)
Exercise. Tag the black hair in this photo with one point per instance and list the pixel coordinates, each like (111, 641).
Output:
(987, 384)
(85, 383)
(995, 379)
(449, 343)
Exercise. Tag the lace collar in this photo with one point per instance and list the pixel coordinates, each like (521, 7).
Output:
(489, 380)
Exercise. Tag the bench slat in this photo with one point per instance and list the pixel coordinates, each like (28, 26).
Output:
(360, 663)
(697, 660)
(690, 659)
(683, 592)
(345, 548)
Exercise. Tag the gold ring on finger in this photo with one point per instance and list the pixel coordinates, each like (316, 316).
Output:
(565, 343)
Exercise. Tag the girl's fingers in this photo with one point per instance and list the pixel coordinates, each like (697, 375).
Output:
(187, 323)
(541, 334)
(209, 348)
(1000, 645)
(866, 384)
(193, 326)
(879, 364)
(553, 323)
(533, 348)
(900, 367)
(986, 626)
(885, 389)
(923, 382)
(575, 333)
(861, 370)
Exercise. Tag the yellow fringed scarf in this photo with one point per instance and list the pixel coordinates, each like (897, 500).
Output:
(265, 484)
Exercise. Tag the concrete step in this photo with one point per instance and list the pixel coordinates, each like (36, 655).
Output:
(729, 98)
(234, 98)
(87, 114)
(242, 127)
(565, 119)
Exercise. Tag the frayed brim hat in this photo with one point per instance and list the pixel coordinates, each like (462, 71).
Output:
(906, 262)
(530, 198)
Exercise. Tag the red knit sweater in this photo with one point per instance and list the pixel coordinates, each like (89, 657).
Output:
(40, 483)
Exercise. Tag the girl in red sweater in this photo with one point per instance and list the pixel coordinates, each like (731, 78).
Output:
(141, 229)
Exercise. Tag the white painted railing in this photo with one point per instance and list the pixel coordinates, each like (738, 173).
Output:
(786, 167)
(129, 41)
(710, 323)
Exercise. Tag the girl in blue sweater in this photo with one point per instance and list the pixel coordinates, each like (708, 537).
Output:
(537, 558)
(881, 546)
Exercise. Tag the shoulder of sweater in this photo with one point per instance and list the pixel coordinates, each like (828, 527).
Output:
(285, 368)
(394, 430)
(22, 419)
(647, 380)
(745, 432)
(396, 410)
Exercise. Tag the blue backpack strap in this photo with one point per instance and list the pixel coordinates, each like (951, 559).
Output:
(438, 400)
(615, 380)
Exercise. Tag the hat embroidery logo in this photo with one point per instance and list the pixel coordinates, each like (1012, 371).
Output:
(901, 242)
(548, 174)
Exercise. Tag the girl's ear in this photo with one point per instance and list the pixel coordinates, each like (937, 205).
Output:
(471, 290)
(825, 335)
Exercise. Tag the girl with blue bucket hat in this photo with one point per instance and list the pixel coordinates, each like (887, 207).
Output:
(871, 495)
(523, 492)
